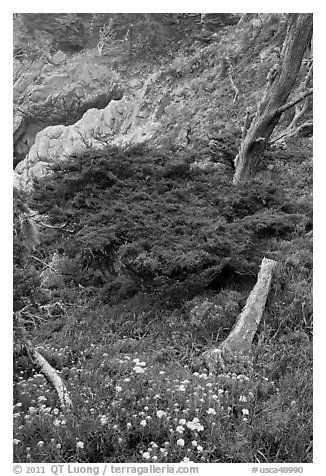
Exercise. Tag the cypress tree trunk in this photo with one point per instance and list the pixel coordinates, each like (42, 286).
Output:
(280, 82)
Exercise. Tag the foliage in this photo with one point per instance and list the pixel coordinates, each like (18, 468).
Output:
(118, 202)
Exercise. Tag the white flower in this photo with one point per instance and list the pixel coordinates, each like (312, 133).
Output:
(58, 446)
(181, 388)
(80, 445)
(180, 442)
(180, 429)
(126, 379)
(160, 413)
(154, 458)
(143, 423)
(118, 389)
(153, 445)
(220, 391)
(211, 411)
(138, 370)
(146, 455)
(195, 425)
(186, 460)
(129, 425)
(243, 399)
(200, 449)
(209, 385)
(245, 411)
(245, 420)
(41, 398)
(16, 441)
(104, 420)
(182, 421)
(40, 444)
(142, 364)
(161, 372)
(194, 443)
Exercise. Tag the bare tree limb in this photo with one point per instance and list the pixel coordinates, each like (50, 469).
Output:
(53, 378)
(236, 90)
(48, 371)
(295, 100)
(45, 225)
(44, 264)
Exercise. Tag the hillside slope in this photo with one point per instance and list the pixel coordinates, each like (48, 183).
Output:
(135, 253)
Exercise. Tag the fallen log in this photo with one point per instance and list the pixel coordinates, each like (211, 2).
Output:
(51, 375)
(47, 370)
(234, 353)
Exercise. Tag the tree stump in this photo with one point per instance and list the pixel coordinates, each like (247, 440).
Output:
(235, 352)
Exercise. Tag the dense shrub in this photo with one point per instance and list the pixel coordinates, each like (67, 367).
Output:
(150, 216)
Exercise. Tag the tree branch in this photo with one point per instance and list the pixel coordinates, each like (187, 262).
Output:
(294, 101)
(44, 264)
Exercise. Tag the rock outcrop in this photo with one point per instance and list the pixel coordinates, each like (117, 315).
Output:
(132, 119)
(56, 92)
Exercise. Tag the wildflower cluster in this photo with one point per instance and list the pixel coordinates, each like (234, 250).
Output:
(180, 413)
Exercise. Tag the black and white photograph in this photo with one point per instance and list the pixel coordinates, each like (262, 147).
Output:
(162, 241)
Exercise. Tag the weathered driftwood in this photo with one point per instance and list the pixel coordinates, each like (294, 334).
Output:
(235, 351)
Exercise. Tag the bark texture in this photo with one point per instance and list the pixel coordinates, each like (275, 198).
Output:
(280, 82)
(234, 354)
(52, 377)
